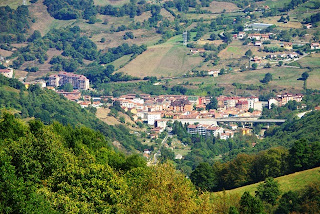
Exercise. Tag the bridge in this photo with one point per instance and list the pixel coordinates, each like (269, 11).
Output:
(214, 121)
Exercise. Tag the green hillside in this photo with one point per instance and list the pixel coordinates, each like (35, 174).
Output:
(48, 106)
(294, 182)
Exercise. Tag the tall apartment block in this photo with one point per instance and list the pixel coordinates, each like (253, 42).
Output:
(78, 81)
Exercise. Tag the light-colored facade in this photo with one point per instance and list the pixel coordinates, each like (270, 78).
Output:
(152, 117)
(8, 72)
(77, 81)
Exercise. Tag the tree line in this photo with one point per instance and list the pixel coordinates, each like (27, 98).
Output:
(247, 169)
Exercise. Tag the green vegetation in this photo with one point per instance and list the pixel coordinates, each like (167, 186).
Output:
(56, 168)
(70, 9)
(48, 106)
(14, 23)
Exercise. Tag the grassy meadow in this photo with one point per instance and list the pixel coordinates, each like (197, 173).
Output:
(294, 182)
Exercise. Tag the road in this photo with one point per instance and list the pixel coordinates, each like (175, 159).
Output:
(214, 121)
(158, 153)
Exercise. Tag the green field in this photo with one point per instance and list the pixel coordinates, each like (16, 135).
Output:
(294, 182)
(282, 78)
(276, 4)
(120, 62)
(112, 2)
(311, 61)
(12, 3)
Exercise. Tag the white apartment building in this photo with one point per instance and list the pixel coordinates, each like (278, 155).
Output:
(77, 81)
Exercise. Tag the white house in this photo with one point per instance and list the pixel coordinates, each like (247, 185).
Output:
(152, 117)
(8, 72)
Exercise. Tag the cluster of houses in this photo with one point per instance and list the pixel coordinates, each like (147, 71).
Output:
(152, 109)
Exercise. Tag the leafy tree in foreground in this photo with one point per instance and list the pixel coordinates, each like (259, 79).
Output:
(250, 204)
(268, 191)
(288, 203)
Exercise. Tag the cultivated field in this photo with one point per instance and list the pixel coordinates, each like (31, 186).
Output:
(167, 60)
(218, 7)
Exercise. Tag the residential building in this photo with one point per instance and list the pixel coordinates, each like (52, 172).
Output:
(214, 73)
(285, 98)
(271, 102)
(152, 117)
(7, 72)
(77, 81)
(314, 46)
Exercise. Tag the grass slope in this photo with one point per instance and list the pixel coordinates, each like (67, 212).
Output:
(12, 3)
(294, 182)
(168, 59)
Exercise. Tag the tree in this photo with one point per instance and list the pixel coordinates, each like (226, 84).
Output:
(267, 78)
(213, 104)
(68, 87)
(268, 65)
(248, 53)
(280, 63)
(304, 75)
(204, 177)
(250, 205)
(213, 36)
(268, 191)
(254, 66)
(122, 119)
(288, 203)
(299, 155)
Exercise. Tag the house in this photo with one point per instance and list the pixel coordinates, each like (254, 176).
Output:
(293, 55)
(256, 59)
(245, 131)
(197, 50)
(152, 117)
(73, 95)
(271, 102)
(286, 97)
(265, 37)
(235, 36)
(181, 105)
(308, 26)
(258, 36)
(7, 72)
(314, 46)
(214, 131)
(258, 43)
(214, 73)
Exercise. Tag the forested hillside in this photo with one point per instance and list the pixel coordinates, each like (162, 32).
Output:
(48, 106)
(60, 169)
